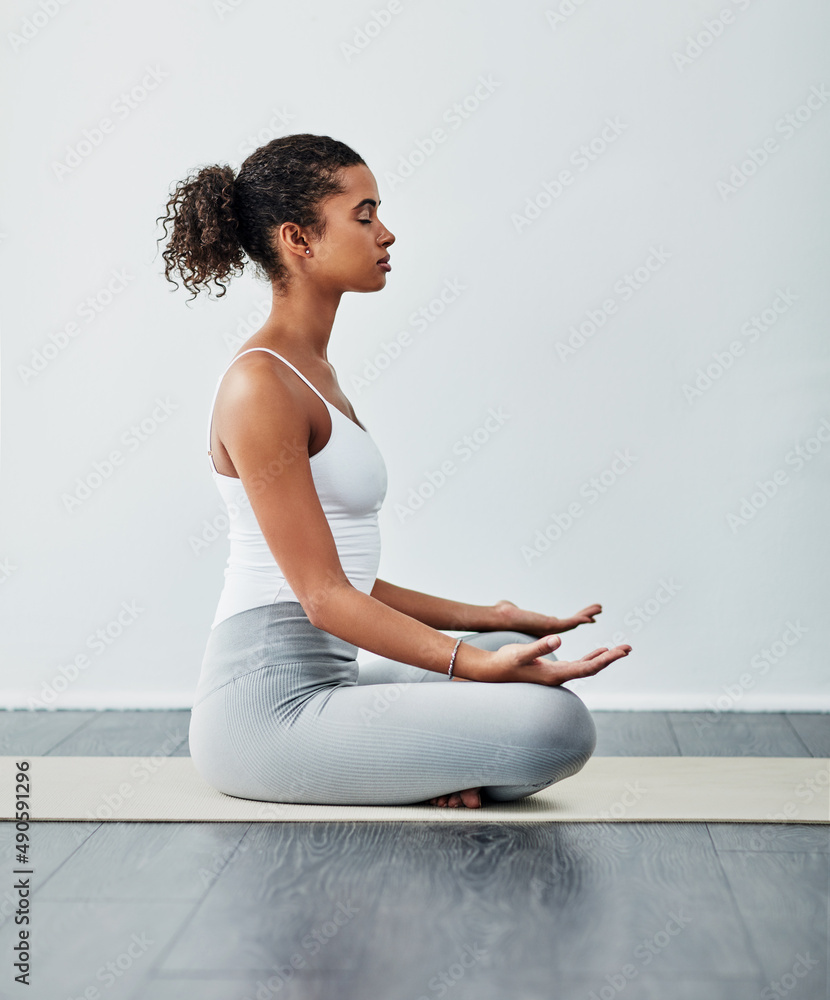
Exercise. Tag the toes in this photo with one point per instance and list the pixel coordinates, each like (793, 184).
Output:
(471, 798)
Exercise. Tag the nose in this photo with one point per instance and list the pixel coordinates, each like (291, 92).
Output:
(387, 239)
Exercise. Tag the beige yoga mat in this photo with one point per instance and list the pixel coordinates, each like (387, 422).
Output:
(607, 789)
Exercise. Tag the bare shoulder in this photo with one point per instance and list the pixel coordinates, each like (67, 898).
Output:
(262, 379)
(259, 400)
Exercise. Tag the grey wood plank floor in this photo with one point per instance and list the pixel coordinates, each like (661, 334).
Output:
(404, 911)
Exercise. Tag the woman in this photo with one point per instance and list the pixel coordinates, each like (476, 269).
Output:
(282, 711)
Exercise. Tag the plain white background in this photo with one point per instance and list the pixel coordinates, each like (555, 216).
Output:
(611, 315)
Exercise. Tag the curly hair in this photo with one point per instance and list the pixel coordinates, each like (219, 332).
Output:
(219, 219)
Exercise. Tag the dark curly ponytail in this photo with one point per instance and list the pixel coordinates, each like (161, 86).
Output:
(205, 243)
(218, 219)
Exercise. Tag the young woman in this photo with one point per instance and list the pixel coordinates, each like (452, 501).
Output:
(282, 711)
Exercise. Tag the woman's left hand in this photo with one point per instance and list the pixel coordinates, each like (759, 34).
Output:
(514, 619)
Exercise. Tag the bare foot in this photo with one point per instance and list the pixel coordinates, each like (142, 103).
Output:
(469, 797)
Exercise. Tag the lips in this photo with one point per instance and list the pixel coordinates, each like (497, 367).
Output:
(384, 263)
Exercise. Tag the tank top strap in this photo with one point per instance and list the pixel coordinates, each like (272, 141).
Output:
(219, 380)
(268, 349)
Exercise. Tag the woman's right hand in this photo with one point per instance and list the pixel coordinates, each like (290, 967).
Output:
(525, 661)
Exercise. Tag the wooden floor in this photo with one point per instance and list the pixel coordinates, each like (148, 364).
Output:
(387, 911)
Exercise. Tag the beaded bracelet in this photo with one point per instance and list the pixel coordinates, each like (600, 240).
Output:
(452, 659)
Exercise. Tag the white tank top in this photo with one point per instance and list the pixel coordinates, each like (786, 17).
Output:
(350, 478)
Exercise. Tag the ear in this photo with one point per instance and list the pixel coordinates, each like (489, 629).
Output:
(291, 238)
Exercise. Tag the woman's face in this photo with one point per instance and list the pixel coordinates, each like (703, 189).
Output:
(347, 257)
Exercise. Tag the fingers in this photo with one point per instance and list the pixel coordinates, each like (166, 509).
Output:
(625, 650)
(527, 652)
(583, 617)
(528, 661)
(595, 653)
(600, 658)
(564, 670)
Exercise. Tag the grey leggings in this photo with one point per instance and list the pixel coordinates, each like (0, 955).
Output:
(284, 713)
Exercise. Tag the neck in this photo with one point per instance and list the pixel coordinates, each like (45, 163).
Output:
(301, 320)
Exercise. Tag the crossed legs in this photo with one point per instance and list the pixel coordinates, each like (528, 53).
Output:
(546, 732)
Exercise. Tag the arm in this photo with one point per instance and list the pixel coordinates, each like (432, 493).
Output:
(457, 617)
(285, 503)
(436, 611)
(371, 625)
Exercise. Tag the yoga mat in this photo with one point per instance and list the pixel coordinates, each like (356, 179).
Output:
(607, 789)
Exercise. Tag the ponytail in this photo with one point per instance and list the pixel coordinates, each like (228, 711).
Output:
(205, 243)
(219, 220)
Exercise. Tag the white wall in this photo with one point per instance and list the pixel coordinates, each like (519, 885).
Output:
(653, 207)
